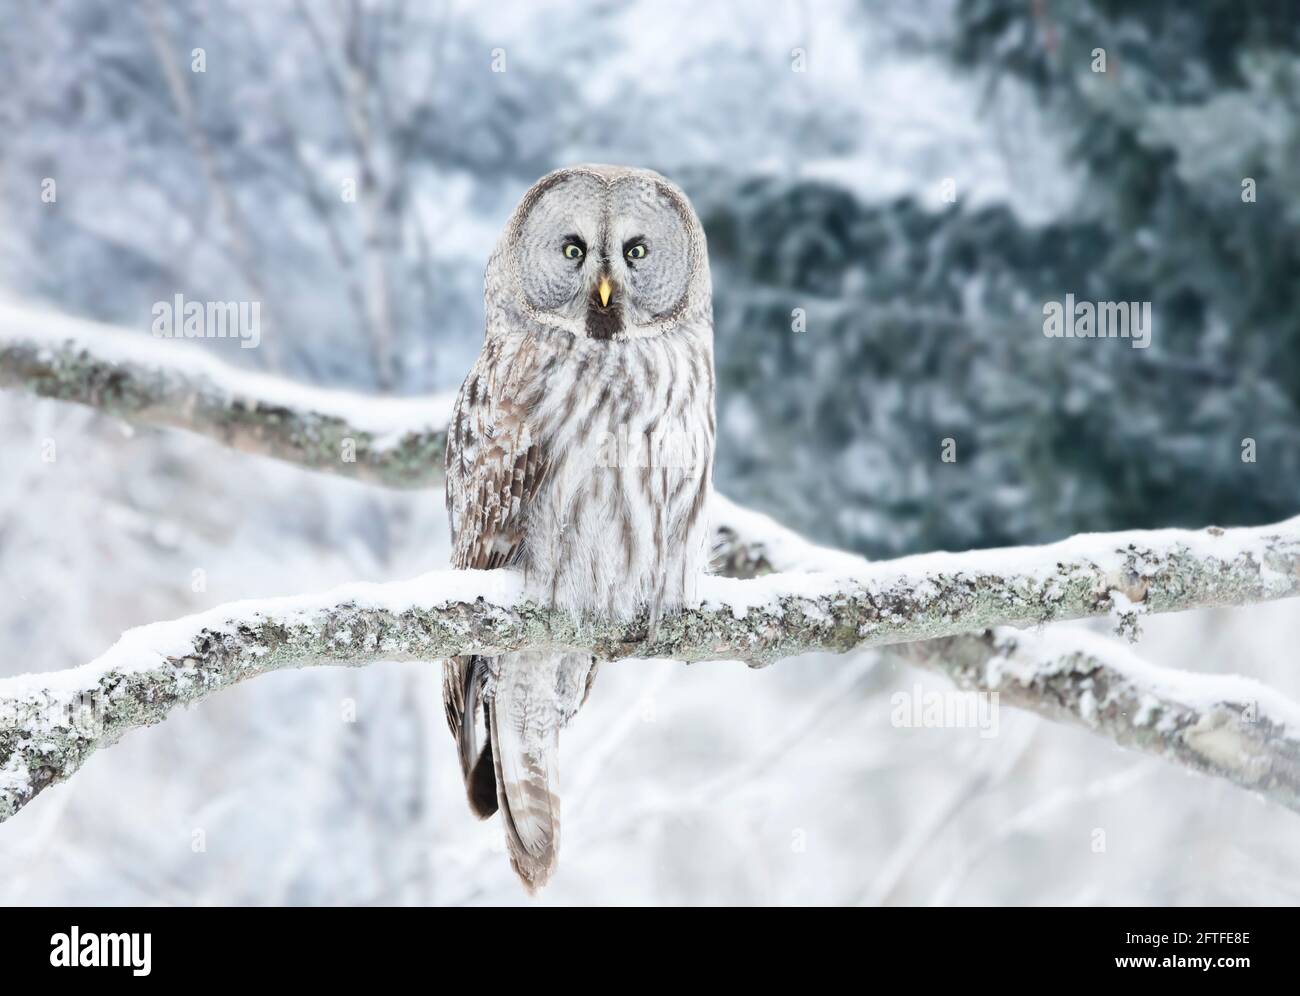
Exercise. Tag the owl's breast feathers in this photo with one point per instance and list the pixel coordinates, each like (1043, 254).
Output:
(587, 464)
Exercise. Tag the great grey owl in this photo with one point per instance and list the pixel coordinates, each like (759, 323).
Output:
(580, 453)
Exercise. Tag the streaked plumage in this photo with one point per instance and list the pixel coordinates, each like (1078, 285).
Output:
(580, 453)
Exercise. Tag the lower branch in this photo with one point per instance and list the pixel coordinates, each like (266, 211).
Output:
(1222, 725)
(49, 723)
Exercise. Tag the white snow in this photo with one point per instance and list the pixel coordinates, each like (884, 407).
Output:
(1107, 552)
(765, 592)
(14, 777)
(784, 549)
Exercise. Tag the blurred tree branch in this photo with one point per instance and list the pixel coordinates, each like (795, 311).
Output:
(235, 223)
(352, 85)
(1221, 725)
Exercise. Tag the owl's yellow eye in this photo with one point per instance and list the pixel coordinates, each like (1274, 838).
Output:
(636, 252)
(573, 251)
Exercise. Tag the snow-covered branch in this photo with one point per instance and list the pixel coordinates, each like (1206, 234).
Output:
(49, 723)
(175, 383)
(1222, 725)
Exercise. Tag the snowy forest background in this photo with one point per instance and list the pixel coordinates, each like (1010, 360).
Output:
(820, 190)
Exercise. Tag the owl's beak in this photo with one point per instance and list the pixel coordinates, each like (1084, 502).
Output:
(604, 289)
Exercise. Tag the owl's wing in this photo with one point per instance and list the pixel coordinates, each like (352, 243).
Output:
(494, 466)
(493, 469)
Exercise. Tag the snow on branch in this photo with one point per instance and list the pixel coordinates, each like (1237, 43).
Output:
(748, 544)
(176, 384)
(49, 723)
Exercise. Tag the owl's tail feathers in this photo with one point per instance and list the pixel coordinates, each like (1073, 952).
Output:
(481, 785)
(464, 703)
(527, 782)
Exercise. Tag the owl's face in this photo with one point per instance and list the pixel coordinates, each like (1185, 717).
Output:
(605, 252)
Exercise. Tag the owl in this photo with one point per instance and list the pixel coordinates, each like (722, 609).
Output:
(580, 454)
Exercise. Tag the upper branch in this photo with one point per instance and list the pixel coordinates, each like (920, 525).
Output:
(176, 384)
